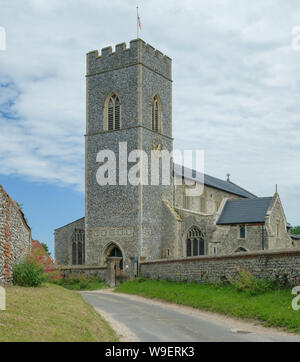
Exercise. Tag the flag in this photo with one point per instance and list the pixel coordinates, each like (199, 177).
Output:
(139, 21)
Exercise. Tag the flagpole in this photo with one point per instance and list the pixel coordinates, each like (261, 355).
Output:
(137, 22)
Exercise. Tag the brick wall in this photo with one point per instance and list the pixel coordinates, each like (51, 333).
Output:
(282, 264)
(15, 236)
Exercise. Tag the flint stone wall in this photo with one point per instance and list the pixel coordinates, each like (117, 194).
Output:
(15, 237)
(74, 271)
(281, 264)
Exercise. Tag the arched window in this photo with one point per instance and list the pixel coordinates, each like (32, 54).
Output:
(188, 247)
(113, 112)
(195, 244)
(195, 247)
(156, 114)
(201, 246)
(78, 247)
(74, 253)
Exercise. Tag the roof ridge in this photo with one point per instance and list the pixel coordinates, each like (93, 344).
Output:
(255, 199)
(241, 188)
(72, 222)
(214, 182)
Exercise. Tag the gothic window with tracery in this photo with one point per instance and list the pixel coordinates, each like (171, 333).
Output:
(78, 247)
(156, 114)
(113, 113)
(195, 242)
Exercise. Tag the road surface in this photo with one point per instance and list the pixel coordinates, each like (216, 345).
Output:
(139, 319)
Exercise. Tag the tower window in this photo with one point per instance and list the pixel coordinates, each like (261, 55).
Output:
(156, 114)
(113, 113)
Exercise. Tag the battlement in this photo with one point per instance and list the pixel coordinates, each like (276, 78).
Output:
(138, 53)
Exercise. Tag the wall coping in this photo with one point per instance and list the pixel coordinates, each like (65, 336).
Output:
(276, 253)
(81, 267)
(16, 207)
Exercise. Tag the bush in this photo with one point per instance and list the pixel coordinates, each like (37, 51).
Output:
(246, 282)
(80, 282)
(40, 257)
(28, 274)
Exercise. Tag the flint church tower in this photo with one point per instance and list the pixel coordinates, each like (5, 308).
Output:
(129, 101)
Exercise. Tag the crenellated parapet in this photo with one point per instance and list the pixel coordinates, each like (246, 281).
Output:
(138, 52)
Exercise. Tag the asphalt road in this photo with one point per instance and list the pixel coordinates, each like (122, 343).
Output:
(158, 322)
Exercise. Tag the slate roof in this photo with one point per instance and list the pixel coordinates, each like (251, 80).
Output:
(293, 236)
(245, 211)
(212, 181)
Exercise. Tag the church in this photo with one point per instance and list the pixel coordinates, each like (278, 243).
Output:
(129, 100)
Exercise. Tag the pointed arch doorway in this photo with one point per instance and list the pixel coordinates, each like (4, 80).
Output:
(114, 260)
(116, 252)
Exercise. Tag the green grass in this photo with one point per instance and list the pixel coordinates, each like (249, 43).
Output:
(51, 314)
(81, 283)
(272, 308)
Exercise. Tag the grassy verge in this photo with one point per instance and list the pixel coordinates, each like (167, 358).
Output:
(272, 308)
(81, 283)
(49, 314)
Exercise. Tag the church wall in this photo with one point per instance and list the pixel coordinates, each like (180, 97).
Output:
(151, 206)
(171, 231)
(75, 271)
(15, 237)
(276, 215)
(189, 219)
(63, 236)
(228, 241)
(155, 84)
(123, 83)
(283, 265)
(212, 197)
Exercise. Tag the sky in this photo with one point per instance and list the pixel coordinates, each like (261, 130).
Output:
(235, 93)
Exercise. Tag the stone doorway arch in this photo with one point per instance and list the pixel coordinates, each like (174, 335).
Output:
(114, 260)
(115, 251)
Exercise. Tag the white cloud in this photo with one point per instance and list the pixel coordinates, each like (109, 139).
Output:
(236, 85)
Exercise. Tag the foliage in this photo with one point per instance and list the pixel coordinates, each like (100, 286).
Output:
(45, 246)
(40, 257)
(28, 274)
(51, 314)
(81, 282)
(248, 283)
(296, 230)
(272, 308)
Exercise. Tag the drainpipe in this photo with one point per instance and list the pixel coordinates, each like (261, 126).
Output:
(263, 237)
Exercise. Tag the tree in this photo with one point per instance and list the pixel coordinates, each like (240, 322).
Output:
(295, 230)
(45, 246)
